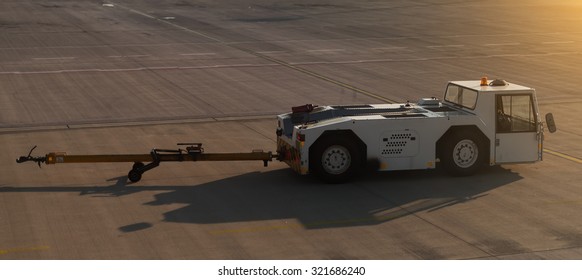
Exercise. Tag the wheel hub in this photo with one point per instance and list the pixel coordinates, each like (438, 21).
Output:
(465, 153)
(336, 159)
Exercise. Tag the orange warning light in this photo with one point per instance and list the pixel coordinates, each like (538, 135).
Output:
(484, 81)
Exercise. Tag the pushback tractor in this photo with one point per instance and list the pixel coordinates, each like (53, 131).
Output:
(477, 123)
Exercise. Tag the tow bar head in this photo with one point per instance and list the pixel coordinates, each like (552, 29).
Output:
(38, 160)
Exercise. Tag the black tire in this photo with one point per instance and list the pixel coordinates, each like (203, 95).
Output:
(134, 176)
(463, 153)
(336, 159)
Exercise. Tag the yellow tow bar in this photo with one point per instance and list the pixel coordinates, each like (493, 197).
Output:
(193, 152)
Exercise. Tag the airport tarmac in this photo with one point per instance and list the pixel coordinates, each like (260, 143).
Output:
(128, 76)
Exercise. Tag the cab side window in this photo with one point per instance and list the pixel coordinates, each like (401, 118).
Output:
(514, 113)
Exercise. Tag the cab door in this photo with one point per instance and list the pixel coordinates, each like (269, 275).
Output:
(517, 136)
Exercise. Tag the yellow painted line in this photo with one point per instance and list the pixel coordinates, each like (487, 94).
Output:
(287, 226)
(564, 156)
(23, 250)
(564, 202)
(254, 229)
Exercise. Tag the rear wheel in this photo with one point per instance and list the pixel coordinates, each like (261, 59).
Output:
(463, 153)
(336, 159)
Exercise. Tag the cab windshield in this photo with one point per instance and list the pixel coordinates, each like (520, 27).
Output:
(461, 96)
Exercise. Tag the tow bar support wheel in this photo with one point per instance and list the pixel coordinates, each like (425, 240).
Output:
(138, 165)
(134, 176)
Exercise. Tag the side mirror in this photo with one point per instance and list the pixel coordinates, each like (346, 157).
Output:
(551, 123)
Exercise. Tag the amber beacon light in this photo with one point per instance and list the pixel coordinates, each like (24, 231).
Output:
(484, 81)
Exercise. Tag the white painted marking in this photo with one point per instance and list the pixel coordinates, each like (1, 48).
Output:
(193, 54)
(278, 65)
(53, 58)
(562, 53)
(137, 69)
(502, 44)
(447, 46)
(503, 55)
(327, 50)
(341, 62)
(171, 23)
(108, 5)
(389, 48)
(268, 52)
(134, 55)
(558, 42)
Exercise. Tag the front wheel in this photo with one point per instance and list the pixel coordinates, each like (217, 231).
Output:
(463, 153)
(336, 159)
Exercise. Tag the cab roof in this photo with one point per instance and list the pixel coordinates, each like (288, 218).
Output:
(476, 85)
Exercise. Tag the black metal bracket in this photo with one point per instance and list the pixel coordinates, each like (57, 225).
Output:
(38, 160)
(139, 168)
(193, 148)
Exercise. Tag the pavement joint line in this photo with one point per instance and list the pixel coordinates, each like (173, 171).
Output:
(159, 68)
(564, 156)
(267, 52)
(64, 126)
(306, 40)
(194, 54)
(528, 252)
(260, 133)
(502, 44)
(447, 46)
(327, 50)
(558, 42)
(319, 76)
(389, 48)
(54, 58)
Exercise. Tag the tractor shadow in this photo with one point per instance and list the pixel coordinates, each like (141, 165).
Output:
(373, 198)
(281, 194)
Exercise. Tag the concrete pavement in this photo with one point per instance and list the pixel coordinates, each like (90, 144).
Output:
(84, 77)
